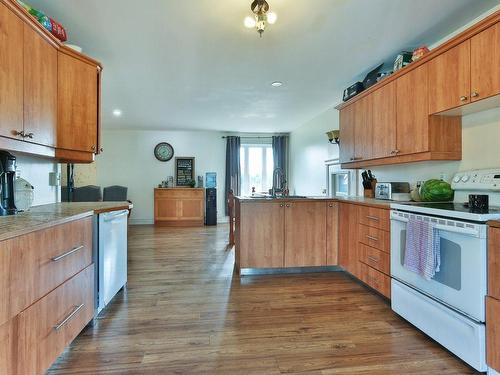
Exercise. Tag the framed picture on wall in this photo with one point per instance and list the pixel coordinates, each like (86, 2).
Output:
(184, 171)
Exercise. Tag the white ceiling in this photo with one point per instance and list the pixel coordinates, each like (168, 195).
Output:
(191, 64)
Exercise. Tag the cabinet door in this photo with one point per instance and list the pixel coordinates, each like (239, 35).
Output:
(40, 89)
(305, 234)
(332, 234)
(166, 209)
(7, 347)
(449, 79)
(11, 73)
(493, 333)
(384, 121)
(412, 109)
(261, 235)
(485, 63)
(346, 147)
(191, 209)
(77, 104)
(348, 238)
(494, 262)
(363, 130)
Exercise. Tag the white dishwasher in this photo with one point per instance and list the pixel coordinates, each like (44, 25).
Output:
(111, 255)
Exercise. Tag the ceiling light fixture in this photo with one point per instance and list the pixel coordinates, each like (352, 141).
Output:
(277, 84)
(117, 112)
(262, 16)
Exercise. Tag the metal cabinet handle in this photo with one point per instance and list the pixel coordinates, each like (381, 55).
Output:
(395, 152)
(474, 94)
(281, 205)
(29, 135)
(373, 259)
(69, 317)
(373, 218)
(372, 238)
(101, 149)
(330, 205)
(19, 133)
(64, 255)
(93, 148)
(288, 205)
(463, 98)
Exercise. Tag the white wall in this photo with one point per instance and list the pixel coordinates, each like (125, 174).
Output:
(128, 160)
(309, 148)
(36, 171)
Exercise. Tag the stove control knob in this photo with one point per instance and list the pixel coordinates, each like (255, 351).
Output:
(457, 179)
(465, 178)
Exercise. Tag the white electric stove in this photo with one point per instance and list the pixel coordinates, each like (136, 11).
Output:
(449, 307)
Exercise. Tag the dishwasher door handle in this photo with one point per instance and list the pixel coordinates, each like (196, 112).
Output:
(109, 217)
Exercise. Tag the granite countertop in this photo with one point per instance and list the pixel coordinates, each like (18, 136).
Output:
(48, 215)
(380, 203)
(494, 223)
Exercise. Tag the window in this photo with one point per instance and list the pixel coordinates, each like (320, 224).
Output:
(256, 161)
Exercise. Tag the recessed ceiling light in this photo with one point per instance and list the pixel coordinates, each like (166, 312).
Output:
(277, 84)
(117, 112)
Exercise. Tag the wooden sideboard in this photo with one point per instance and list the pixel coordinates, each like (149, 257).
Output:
(416, 113)
(179, 206)
(47, 292)
(49, 93)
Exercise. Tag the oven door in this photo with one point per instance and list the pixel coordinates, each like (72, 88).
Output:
(461, 281)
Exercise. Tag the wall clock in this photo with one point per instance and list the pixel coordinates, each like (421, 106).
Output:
(164, 151)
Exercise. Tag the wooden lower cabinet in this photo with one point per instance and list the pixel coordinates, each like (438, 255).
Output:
(376, 279)
(48, 326)
(332, 234)
(8, 347)
(375, 258)
(260, 237)
(305, 234)
(179, 207)
(348, 238)
(493, 333)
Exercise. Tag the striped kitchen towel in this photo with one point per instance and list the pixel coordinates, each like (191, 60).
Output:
(423, 248)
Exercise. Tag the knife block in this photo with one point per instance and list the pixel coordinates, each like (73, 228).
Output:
(370, 193)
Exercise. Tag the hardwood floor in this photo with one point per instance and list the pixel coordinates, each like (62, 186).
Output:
(185, 312)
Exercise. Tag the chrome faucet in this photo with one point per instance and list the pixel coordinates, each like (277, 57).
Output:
(278, 182)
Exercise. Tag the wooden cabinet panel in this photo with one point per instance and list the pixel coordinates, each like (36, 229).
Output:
(376, 279)
(363, 129)
(449, 79)
(42, 260)
(11, 73)
(69, 307)
(40, 89)
(261, 235)
(77, 104)
(166, 209)
(493, 333)
(494, 263)
(375, 258)
(374, 217)
(485, 63)
(384, 121)
(347, 125)
(348, 238)
(8, 349)
(374, 237)
(412, 108)
(191, 209)
(305, 234)
(332, 235)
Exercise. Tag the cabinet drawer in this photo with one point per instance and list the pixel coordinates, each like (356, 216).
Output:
(374, 237)
(42, 260)
(47, 327)
(179, 193)
(374, 258)
(376, 279)
(493, 333)
(374, 217)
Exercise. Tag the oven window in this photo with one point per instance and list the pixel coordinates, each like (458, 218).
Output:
(450, 273)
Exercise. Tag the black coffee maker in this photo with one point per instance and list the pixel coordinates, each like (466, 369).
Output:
(7, 177)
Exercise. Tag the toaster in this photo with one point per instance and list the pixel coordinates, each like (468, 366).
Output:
(398, 191)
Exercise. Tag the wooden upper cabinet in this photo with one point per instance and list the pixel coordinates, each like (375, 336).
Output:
(485, 63)
(449, 78)
(384, 121)
(40, 89)
(77, 104)
(347, 124)
(363, 129)
(305, 234)
(412, 107)
(11, 73)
